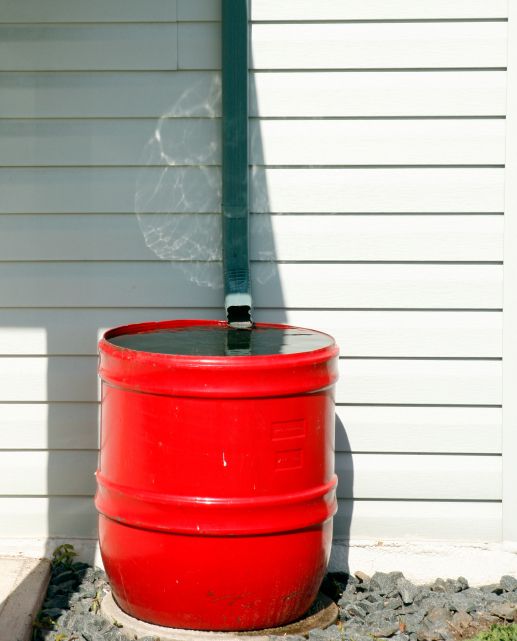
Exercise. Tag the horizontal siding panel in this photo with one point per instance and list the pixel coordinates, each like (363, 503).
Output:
(360, 94)
(378, 190)
(199, 9)
(362, 476)
(109, 94)
(44, 379)
(189, 189)
(288, 10)
(418, 520)
(197, 93)
(199, 46)
(284, 285)
(88, 47)
(40, 473)
(377, 142)
(371, 476)
(172, 141)
(304, 94)
(112, 141)
(72, 426)
(39, 332)
(374, 9)
(371, 45)
(39, 517)
(406, 334)
(92, 11)
(76, 517)
(313, 238)
(74, 190)
(361, 238)
(423, 382)
(55, 426)
(419, 429)
(359, 333)
(352, 46)
(426, 382)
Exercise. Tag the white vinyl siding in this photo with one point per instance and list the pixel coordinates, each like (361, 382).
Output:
(509, 481)
(112, 142)
(377, 181)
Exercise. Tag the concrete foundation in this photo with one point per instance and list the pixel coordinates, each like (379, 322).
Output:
(324, 614)
(23, 584)
(421, 561)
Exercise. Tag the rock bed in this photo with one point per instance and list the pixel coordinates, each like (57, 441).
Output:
(383, 606)
(386, 605)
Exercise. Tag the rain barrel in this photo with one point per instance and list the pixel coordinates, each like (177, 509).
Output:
(216, 485)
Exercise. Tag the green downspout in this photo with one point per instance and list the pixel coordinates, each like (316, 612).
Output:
(235, 188)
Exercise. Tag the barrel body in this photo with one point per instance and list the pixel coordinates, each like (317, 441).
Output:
(216, 485)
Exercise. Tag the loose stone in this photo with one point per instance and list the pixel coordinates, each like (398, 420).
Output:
(505, 611)
(407, 590)
(330, 634)
(461, 620)
(439, 586)
(463, 581)
(508, 583)
(494, 588)
(427, 633)
(353, 610)
(439, 616)
(385, 631)
(452, 585)
(385, 584)
(362, 576)
(413, 621)
(461, 602)
(394, 603)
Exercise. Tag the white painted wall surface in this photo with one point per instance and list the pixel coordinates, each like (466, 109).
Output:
(378, 192)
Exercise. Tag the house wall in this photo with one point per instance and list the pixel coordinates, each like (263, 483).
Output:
(378, 151)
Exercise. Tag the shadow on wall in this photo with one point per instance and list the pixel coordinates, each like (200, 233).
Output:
(342, 521)
(179, 223)
(70, 472)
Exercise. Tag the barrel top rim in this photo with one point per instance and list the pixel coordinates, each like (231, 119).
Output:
(106, 346)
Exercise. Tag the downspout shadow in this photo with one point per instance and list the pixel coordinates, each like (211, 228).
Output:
(268, 281)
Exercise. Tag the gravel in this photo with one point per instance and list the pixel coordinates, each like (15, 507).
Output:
(383, 606)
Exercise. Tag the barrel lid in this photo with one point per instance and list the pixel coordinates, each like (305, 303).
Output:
(218, 339)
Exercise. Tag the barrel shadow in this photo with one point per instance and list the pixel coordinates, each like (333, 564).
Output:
(342, 521)
(271, 288)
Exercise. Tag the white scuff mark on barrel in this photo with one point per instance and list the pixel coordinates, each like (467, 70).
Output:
(225, 462)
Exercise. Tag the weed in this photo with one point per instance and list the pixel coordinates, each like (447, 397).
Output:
(498, 632)
(64, 554)
(96, 603)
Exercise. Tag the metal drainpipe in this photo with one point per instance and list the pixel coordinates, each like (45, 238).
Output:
(235, 188)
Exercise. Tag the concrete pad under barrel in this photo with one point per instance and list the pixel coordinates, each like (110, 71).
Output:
(323, 613)
(23, 584)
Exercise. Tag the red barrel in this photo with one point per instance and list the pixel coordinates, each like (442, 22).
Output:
(216, 485)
